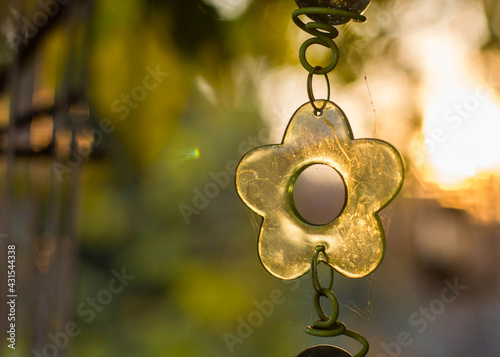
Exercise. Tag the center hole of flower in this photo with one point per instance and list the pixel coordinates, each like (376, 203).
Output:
(319, 194)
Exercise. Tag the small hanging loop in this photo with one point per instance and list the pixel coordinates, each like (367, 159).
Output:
(325, 321)
(314, 271)
(323, 41)
(317, 110)
(323, 34)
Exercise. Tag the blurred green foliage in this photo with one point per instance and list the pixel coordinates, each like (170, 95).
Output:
(194, 281)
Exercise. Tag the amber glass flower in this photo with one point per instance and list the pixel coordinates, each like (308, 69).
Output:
(372, 171)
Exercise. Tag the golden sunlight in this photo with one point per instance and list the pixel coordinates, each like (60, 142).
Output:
(459, 138)
(461, 132)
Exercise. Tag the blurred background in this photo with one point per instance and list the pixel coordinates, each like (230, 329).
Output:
(121, 124)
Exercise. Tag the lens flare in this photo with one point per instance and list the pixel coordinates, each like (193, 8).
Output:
(189, 154)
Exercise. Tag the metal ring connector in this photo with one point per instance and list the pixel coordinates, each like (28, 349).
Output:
(323, 34)
(325, 321)
(310, 93)
(314, 271)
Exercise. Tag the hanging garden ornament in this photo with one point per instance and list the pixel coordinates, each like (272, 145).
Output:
(324, 351)
(372, 170)
(354, 6)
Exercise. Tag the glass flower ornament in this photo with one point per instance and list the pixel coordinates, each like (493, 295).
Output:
(372, 171)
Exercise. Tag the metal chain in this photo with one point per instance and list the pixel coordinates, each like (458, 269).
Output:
(323, 35)
(328, 326)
